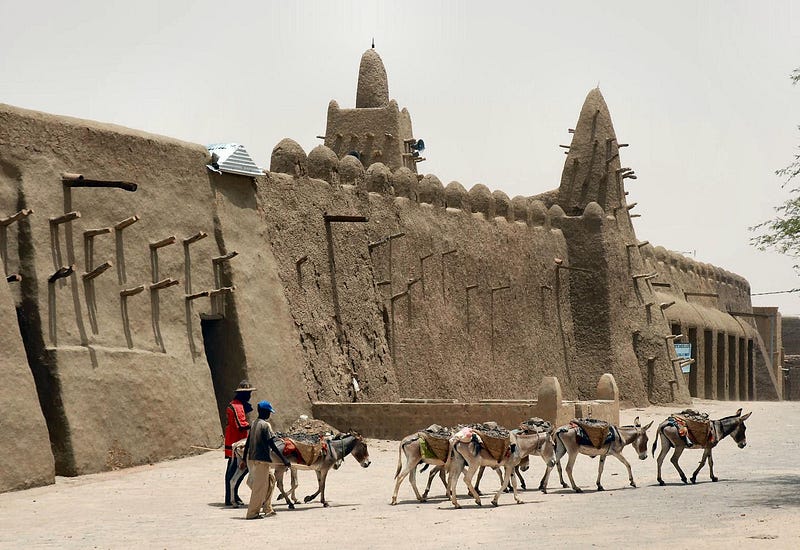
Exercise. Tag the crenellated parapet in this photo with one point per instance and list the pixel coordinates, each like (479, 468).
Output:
(322, 164)
(700, 282)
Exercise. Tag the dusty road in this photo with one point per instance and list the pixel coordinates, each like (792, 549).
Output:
(177, 504)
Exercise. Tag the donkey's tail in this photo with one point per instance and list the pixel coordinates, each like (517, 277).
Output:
(659, 432)
(399, 460)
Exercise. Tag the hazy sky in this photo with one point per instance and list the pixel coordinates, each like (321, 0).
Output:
(699, 89)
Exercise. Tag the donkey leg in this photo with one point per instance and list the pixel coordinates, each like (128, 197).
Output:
(514, 487)
(431, 476)
(508, 475)
(561, 450)
(412, 479)
(628, 466)
(561, 475)
(293, 492)
(400, 477)
(280, 472)
(600, 472)
(518, 473)
(545, 479)
(471, 470)
(507, 472)
(442, 476)
(675, 456)
(478, 480)
(570, 464)
(711, 466)
(499, 473)
(311, 497)
(700, 467)
(323, 474)
(456, 467)
(665, 447)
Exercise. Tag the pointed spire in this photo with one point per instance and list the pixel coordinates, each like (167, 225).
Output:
(373, 85)
(591, 172)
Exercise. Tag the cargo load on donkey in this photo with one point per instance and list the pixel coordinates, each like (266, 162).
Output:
(434, 442)
(305, 447)
(496, 439)
(593, 430)
(693, 426)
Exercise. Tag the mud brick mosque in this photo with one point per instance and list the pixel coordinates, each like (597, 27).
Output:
(147, 276)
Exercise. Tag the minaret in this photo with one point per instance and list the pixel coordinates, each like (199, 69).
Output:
(591, 172)
(377, 130)
(373, 86)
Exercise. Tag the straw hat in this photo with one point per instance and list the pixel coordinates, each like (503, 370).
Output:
(244, 385)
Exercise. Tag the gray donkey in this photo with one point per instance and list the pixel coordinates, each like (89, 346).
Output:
(719, 429)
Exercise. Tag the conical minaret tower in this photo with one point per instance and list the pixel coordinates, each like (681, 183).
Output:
(593, 171)
(373, 85)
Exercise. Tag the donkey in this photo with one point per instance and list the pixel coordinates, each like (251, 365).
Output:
(472, 455)
(567, 442)
(720, 429)
(545, 449)
(409, 447)
(338, 448)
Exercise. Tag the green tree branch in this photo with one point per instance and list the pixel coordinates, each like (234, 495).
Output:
(782, 233)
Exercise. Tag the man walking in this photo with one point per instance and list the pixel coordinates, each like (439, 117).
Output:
(257, 454)
(236, 429)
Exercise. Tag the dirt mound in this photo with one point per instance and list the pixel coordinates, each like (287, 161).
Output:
(535, 425)
(311, 426)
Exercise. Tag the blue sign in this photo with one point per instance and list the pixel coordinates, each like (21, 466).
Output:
(684, 351)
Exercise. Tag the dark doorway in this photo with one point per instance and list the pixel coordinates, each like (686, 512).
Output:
(732, 367)
(742, 371)
(721, 395)
(708, 361)
(224, 359)
(751, 394)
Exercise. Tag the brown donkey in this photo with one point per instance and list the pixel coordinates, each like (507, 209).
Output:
(410, 447)
(670, 438)
(468, 456)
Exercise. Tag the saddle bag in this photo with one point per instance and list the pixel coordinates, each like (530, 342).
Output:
(597, 431)
(437, 446)
(699, 430)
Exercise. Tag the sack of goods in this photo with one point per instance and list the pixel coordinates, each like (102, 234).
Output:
(496, 439)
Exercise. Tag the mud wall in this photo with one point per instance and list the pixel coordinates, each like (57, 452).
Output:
(258, 336)
(119, 381)
(711, 307)
(433, 301)
(26, 459)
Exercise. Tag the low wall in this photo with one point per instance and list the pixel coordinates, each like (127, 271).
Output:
(397, 420)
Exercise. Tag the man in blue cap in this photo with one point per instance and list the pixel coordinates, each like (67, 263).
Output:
(260, 442)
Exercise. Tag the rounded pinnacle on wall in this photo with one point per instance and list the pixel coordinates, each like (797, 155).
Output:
(590, 172)
(373, 85)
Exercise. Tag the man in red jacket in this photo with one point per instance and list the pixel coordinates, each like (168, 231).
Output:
(236, 428)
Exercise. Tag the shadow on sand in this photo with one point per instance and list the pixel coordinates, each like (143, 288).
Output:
(772, 492)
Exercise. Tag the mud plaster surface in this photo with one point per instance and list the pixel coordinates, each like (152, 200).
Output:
(177, 504)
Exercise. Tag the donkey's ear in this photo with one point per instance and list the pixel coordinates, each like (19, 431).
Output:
(745, 417)
(636, 421)
(738, 413)
(648, 426)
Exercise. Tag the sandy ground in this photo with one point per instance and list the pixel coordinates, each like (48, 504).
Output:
(178, 504)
